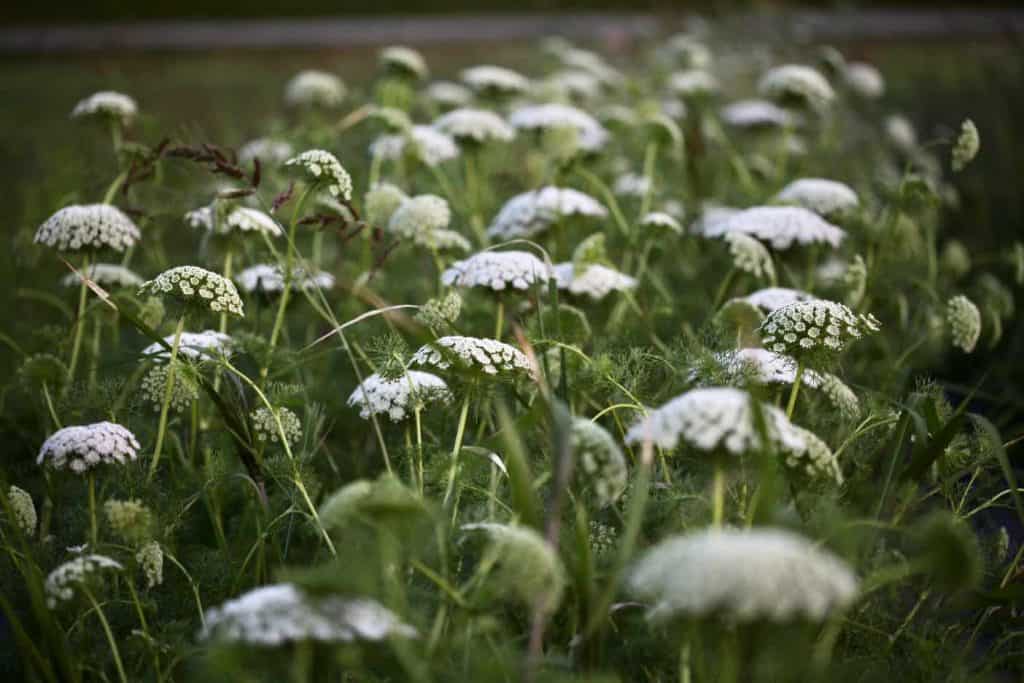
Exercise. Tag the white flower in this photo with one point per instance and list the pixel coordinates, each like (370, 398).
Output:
(61, 583)
(573, 83)
(192, 284)
(595, 280)
(600, 464)
(269, 278)
(497, 270)
(420, 215)
(323, 167)
(780, 227)
(771, 298)
(495, 79)
(84, 447)
(527, 565)
(689, 51)
(314, 89)
(154, 387)
(24, 509)
(716, 419)
(967, 145)
(823, 197)
(244, 219)
(442, 240)
(151, 559)
(201, 218)
(901, 133)
(661, 219)
(487, 355)
(105, 274)
(381, 202)
(592, 135)
(693, 83)
(592, 63)
(757, 114)
(478, 125)
(816, 324)
(88, 226)
(864, 80)
(531, 213)
(265, 424)
(797, 82)
(106, 103)
(405, 60)
(765, 367)
(192, 345)
(748, 575)
(428, 145)
(839, 395)
(964, 320)
(267, 150)
(448, 94)
(397, 397)
(632, 185)
(749, 255)
(281, 613)
(711, 217)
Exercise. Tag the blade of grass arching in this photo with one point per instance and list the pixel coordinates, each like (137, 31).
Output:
(524, 499)
(990, 430)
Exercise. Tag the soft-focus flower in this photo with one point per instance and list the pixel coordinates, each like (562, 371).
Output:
(749, 255)
(314, 89)
(711, 219)
(688, 51)
(442, 240)
(269, 278)
(194, 285)
(154, 387)
(572, 83)
(61, 583)
(967, 145)
(495, 79)
(420, 215)
(323, 168)
(244, 219)
(771, 298)
(757, 114)
(85, 447)
(497, 270)
(88, 226)
(476, 125)
(823, 197)
(281, 613)
(964, 320)
(600, 464)
(780, 227)
(748, 575)
(592, 135)
(693, 83)
(107, 104)
(594, 280)
(531, 213)
(267, 150)
(397, 397)
(404, 60)
(527, 565)
(264, 424)
(489, 356)
(130, 519)
(816, 461)
(24, 509)
(816, 324)
(106, 275)
(632, 185)
(381, 202)
(450, 95)
(864, 80)
(192, 345)
(151, 560)
(661, 219)
(796, 82)
(424, 143)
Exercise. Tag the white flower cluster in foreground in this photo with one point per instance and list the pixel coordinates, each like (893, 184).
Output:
(243, 219)
(88, 226)
(600, 464)
(425, 143)
(780, 227)
(61, 583)
(751, 575)
(489, 356)
(477, 125)
(711, 219)
(84, 447)
(265, 425)
(496, 79)
(321, 167)
(816, 324)
(716, 419)
(106, 103)
(594, 280)
(797, 82)
(756, 114)
(964, 320)
(314, 89)
(823, 197)
(197, 285)
(281, 613)
(106, 275)
(497, 270)
(530, 213)
(397, 397)
(193, 345)
(592, 135)
(24, 510)
(749, 255)
(528, 566)
(406, 60)
(267, 277)
(632, 185)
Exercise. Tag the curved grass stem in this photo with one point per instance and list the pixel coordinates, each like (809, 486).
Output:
(168, 392)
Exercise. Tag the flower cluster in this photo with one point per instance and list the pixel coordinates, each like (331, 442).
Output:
(267, 150)
(816, 461)
(772, 298)
(797, 83)
(489, 356)
(404, 60)
(864, 80)
(967, 146)
(184, 392)
(150, 558)
(497, 270)
(749, 255)
(192, 345)
(593, 280)
(964, 320)
(448, 94)
(397, 397)
(61, 583)
(244, 219)
(600, 465)
(323, 168)
(817, 324)
(265, 425)
(24, 509)
(661, 219)
(104, 274)
(84, 447)
(195, 285)
(269, 278)
(756, 114)
(528, 566)
(476, 125)
(420, 215)
(693, 83)
(88, 226)
(592, 135)
(107, 104)
(780, 227)
(530, 213)
(824, 197)
(130, 519)
(424, 143)
(495, 79)
(314, 89)
(438, 314)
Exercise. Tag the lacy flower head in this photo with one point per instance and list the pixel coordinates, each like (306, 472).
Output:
(105, 275)
(527, 567)
(757, 114)
(314, 89)
(449, 95)
(592, 135)
(184, 392)
(88, 226)
(795, 83)
(751, 575)
(497, 270)
(197, 286)
(81, 448)
(864, 80)
(193, 345)
(771, 298)
(24, 510)
(495, 80)
(593, 280)
(693, 83)
(780, 227)
(964, 320)
(717, 419)
(749, 255)
(475, 125)
(63, 581)
(106, 104)
(264, 425)
(600, 465)
(817, 461)
(967, 146)
(488, 356)
(823, 197)
(281, 613)
(397, 397)
(322, 169)
(661, 219)
(381, 202)
(404, 61)
(423, 143)
(269, 278)
(531, 213)
(246, 220)
(420, 215)
(814, 325)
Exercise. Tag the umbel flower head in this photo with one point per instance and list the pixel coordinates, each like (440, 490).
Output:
(749, 255)
(105, 275)
(495, 80)
(246, 220)
(269, 278)
(592, 135)
(192, 345)
(82, 448)
(88, 226)
(130, 519)
(817, 461)
(448, 95)
(150, 558)
(964, 320)
(397, 397)
(823, 197)
(780, 227)
(528, 567)
(314, 89)
(531, 213)
(106, 104)
(322, 169)
(194, 285)
(281, 613)
(265, 426)
(183, 394)
(593, 280)
(812, 325)
(24, 510)
(420, 215)
(750, 575)
(796, 83)
(717, 419)
(757, 114)
(489, 356)
(967, 146)
(423, 143)
(381, 202)
(405, 61)
(497, 270)
(693, 83)
(662, 219)
(864, 80)
(62, 582)
(474, 125)
(600, 465)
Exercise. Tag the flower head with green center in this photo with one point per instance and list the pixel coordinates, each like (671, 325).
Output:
(322, 169)
(62, 582)
(404, 61)
(967, 146)
(593, 280)
(265, 425)
(600, 464)
(749, 255)
(381, 202)
(88, 226)
(130, 519)
(197, 286)
(108, 105)
(474, 125)
(397, 397)
(24, 510)
(964, 320)
(527, 566)
(448, 94)
(823, 197)
(82, 448)
(488, 356)
(497, 270)
(812, 325)
(420, 215)
(314, 89)
(184, 393)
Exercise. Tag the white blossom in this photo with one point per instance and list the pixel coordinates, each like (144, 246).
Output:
(108, 104)
(823, 197)
(661, 219)
(594, 280)
(314, 89)
(478, 125)
(592, 135)
(448, 94)
(780, 227)
(711, 218)
(192, 345)
(964, 320)
(815, 324)
(797, 82)
(573, 83)
(322, 167)
(424, 143)
(967, 146)
(420, 215)
(531, 213)
(397, 397)
(244, 219)
(901, 132)
(88, 226)
(264, 424)
(81, 448)
(495, 79)
(154, 387)
(269, 278)
(24, 510)
(600, 464)
(757, 114)
(771, 298)
(632, 185)
(106, 275)
(489, 356)
(192, 284)
(749, 255)
(405, 60)
(381, 202)
(864, 80)
(150, 558)
(442, 240)
(61, 583)
(693, 83)
(497, 270)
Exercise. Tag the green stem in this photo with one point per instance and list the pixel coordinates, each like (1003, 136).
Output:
(94, 358)
(650, 158)
(456, 448)
(718, 496)
(795, 390)
(49, 406)
(500, 324)
(76, 343)
(93, 530)
(419, 446)
(168, 392)
(723, 289)
(115, 186)
(106, 629)
(144, 625)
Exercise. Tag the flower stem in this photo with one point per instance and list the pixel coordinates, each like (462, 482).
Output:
(76, 343)
(718, 496)
(419, 446)
(723, 289)
(501, 319)
(456, 448)
(795, 390)
(93, 531)
(650, 158)
(168, 392)
(106, 629)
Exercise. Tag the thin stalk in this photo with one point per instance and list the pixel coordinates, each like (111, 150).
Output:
(456, 447)
(419, 446)
(94, 356)
(650, 158)
(722, 289)
(106, 629)
(223, 327)
(500, 323)
(76, 342)
(144, 624)
(795, 390)
(168, 392)
(718, 496)
(114, 187)
(49, 406)
(93, 529)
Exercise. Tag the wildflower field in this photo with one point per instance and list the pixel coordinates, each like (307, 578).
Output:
(694, 361)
